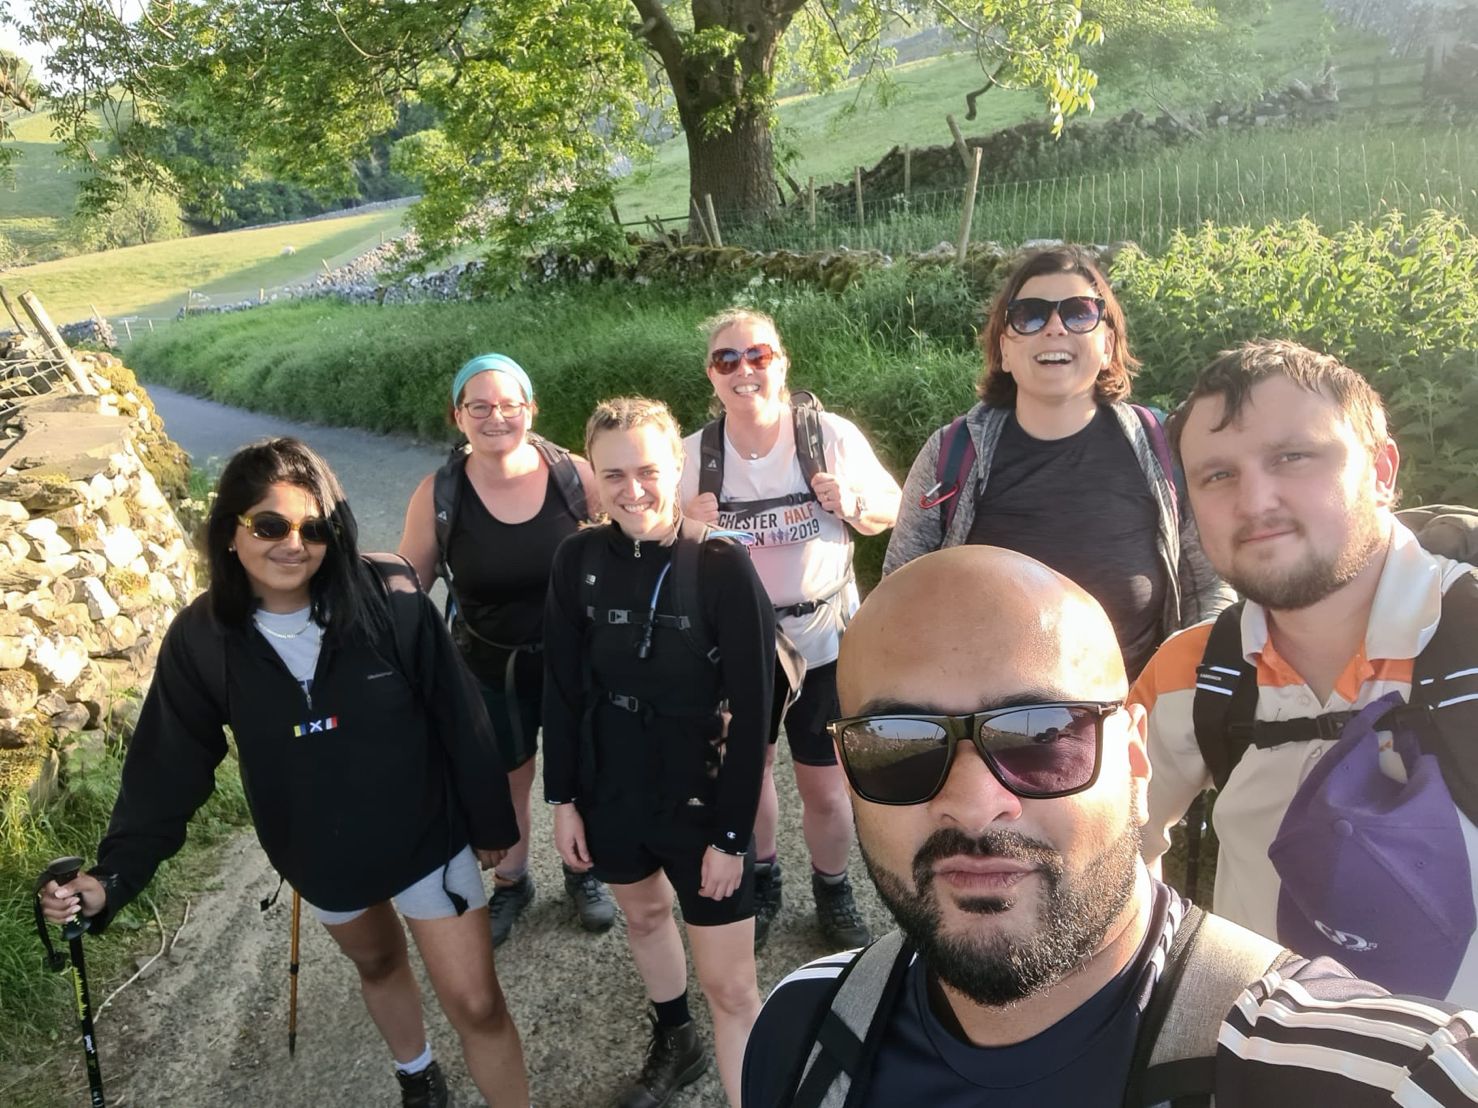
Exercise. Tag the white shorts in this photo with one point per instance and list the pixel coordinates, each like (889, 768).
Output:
(426, 899)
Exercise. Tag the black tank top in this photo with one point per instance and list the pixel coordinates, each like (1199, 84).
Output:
(502, 571)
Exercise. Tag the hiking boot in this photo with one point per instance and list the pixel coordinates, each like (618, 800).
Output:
(767, 898)
(675, 1058)
(836, 911)
(507, 904)
(593, 902)
(426, 1089)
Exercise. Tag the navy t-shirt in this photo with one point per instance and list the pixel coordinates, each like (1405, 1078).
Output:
(1082, 1060)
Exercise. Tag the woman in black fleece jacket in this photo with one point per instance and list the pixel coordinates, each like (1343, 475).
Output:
(366, 756)
(653, 794)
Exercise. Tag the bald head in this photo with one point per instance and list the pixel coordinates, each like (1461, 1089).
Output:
(961, 628)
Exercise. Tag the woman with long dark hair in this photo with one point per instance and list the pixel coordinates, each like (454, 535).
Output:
(1054, 461)
(365, 753)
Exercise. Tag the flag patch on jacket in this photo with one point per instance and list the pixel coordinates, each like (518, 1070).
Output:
(328, 723)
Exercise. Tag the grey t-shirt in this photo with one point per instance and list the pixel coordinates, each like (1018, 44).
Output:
(297, 640)
(1083, 506)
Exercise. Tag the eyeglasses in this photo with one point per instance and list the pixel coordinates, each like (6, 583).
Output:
(1036, 751)
(1079, 314)
(481, 409)
(271, 527)
(727, 359)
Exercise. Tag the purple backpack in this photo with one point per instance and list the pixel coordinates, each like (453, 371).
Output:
(1374, 870)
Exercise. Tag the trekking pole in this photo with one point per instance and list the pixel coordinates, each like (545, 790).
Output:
(1195, 817)
(292, 970)
(63, 870)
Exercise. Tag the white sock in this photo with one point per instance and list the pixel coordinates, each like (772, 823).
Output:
(416, 1064)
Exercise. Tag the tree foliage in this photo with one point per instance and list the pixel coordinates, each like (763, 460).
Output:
(535, 101)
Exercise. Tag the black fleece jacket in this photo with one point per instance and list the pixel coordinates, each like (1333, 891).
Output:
(668, 756)
(357, 791)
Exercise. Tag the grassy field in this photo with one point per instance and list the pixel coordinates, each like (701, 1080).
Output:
(152, 280)
(1293, 40)
(38, 190)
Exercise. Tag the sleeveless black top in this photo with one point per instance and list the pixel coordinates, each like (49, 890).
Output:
(502, 573)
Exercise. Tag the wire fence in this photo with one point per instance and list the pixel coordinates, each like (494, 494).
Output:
(1331, 185)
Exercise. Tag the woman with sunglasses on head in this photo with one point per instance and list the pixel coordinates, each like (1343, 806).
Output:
(489, 522)
(1055, 463)
(653, 628)
(802, 525)
(365, 753)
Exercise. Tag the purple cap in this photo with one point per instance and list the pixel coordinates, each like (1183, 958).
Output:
(1374, 871)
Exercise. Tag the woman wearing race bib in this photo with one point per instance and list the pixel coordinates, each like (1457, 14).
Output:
(651, 628)
(799, 499)
(1055, 463)
(365, 752)
(489, 522)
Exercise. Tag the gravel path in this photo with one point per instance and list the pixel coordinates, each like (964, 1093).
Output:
(208, 1025)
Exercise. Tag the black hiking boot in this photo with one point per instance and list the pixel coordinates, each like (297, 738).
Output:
(426, 1089)
(837, 912)
(507, 904)
(593, 902)
(675, 1058)
(767, 899)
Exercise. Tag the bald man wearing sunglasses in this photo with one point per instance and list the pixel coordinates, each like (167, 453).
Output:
(998, 782)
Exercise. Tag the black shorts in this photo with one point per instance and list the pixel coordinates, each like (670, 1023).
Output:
(515, 747)
(805, 723)
(628, 848)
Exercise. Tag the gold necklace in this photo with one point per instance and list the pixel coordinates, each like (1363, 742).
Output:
(264, 629)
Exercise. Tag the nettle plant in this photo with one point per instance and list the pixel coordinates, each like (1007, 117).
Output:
(1396, 300)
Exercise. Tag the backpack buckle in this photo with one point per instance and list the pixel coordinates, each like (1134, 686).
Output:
(624, 702)
(932, 497)
(618, 615)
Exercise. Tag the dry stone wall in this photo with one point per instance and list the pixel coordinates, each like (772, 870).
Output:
(94, 564)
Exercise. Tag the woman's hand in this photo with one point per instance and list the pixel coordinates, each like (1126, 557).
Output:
(487, 859)
(703, 508)
(59, 903)
(569, 838)
(721, 874)
(834, 496)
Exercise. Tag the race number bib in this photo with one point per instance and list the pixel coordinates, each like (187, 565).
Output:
(777, 526)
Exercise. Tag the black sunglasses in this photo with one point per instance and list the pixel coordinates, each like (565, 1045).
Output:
(1036, 751)
(726, 360)
(271, 527)
(1079, 314)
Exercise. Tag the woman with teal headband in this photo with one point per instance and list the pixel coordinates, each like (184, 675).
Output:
(488, 523)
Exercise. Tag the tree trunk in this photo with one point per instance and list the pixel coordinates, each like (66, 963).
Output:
(735, 167)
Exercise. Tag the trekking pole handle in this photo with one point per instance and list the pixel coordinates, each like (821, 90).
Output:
(62, 871)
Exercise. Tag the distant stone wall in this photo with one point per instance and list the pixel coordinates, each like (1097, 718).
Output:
(94, 564)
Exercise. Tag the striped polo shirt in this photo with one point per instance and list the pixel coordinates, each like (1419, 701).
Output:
(1250, 809)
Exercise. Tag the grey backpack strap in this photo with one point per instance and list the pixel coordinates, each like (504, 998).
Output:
(1200, 984)
(840, 1053)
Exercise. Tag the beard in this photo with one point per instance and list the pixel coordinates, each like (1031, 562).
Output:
(1075, 913)
(1320, 576)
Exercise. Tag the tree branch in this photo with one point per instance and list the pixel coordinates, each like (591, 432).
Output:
(658, 30)
(15, 92)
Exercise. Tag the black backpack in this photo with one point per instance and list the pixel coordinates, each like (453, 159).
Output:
(1210, 962)
(1442, 707)
(805, 412)
(447, 485)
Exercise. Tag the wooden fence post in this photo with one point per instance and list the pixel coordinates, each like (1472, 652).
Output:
(697, 218)
(718, 238)
(189, 295)
(907, 169)
(857, 188)
(964, 151)
(151, 325)
(53, 338)
(811, 201)
(968, 215)
(261, 296)
(1375, 90)
(615, 214)
(326, 269)
(127, 330)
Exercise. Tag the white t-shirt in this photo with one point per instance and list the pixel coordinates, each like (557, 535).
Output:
(801, 552)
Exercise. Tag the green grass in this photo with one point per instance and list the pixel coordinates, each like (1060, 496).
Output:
(1332, 174)
(152, 280)
(1293, 40)
(38, 190)
(37, 1013)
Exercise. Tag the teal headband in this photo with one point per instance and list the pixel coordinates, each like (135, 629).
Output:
(497, 363)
